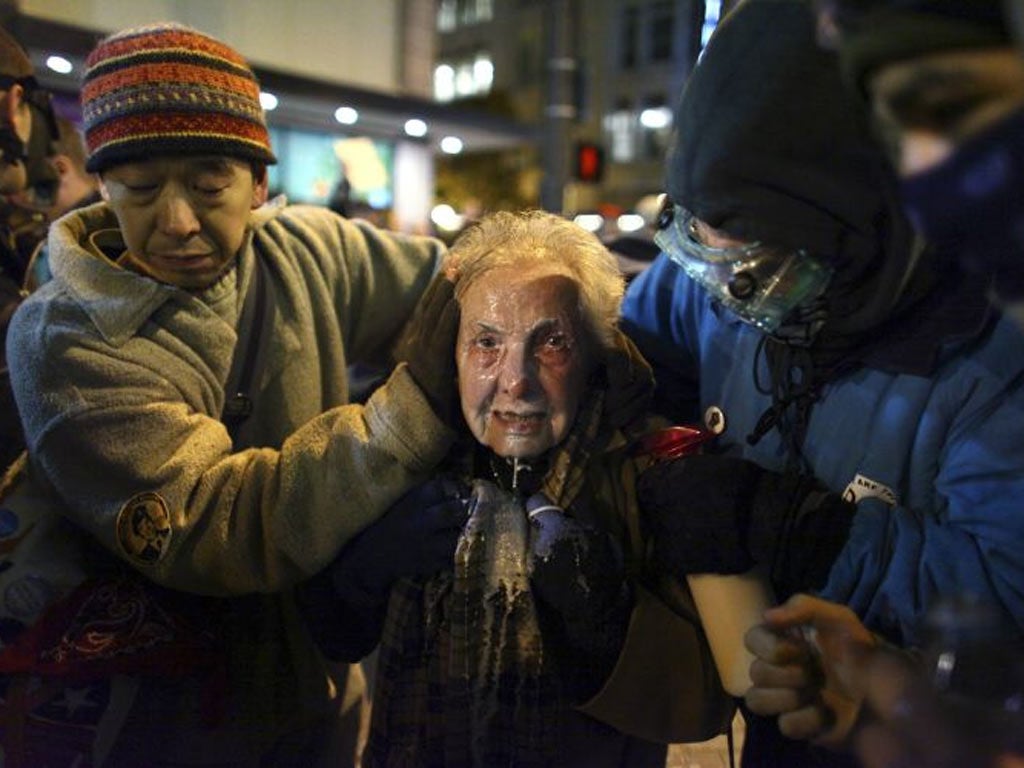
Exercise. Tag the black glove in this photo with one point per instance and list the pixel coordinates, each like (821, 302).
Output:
(578, 580)
(344, 605)
(429, 348)
(719, 514)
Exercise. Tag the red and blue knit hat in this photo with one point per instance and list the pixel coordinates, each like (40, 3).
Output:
(166, 89)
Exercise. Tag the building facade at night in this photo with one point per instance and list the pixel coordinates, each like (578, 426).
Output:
(606, 72)
(480, 104)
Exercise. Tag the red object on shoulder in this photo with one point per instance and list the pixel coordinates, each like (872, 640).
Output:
(673, 442)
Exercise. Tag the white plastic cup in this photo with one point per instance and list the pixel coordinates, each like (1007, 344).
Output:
(729, 605)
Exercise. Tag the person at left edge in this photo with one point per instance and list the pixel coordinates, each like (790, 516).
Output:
(26, 128)
(119, 366)
(75, 188)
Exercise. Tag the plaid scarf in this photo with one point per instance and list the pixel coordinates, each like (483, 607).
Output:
(463, 676)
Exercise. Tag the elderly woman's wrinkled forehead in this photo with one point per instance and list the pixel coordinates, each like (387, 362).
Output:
(523, 240)
(521, 296)
(513, 260)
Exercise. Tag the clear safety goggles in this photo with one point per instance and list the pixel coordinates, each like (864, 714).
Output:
(761, 284)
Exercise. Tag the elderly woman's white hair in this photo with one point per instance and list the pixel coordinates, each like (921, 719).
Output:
(533, 238)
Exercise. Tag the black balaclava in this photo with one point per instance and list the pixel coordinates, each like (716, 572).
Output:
(770, 146)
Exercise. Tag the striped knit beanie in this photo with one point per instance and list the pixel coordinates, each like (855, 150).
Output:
(166, 89)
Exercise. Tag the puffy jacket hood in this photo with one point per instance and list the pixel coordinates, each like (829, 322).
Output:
(770, 146)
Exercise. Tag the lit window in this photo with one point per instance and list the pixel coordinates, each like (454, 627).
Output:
(621, 130)
(475, 11)
(712, 11)
(483, 73)
(464, 84)
(470, 77)
(446, 18)
(656, 124)
(444, 82)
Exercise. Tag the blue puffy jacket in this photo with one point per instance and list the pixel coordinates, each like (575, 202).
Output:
(934, 458)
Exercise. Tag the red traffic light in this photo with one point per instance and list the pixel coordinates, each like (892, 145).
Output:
(589, 162)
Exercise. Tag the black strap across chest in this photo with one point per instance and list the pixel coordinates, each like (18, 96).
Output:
(248, 359)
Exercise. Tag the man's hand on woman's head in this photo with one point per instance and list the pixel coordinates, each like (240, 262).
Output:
(429, 349)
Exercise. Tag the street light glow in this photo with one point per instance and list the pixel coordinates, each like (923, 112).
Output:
(656, 117)
(445, 218)
(415, 128)
(59, 64)
(591, 222)
(346, 115)
(630, 222)
(451, 145)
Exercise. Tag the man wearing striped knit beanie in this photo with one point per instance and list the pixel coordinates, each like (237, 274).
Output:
(182, 383)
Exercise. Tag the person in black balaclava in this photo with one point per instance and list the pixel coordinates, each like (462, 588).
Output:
(867, 399)
(945, 84)
(26, 129)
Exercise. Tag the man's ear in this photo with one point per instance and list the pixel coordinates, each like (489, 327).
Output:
(103, 191)
(260, 189)
(15, 113)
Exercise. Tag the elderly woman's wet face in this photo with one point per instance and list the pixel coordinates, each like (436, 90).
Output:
(523, 359)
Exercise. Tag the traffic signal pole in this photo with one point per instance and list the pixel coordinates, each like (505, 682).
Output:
(560, 106)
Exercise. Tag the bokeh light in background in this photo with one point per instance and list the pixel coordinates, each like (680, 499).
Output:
(59, 64)
(268, 101)
(445, 218)
(451, 145)
(346, 115)
(415, 128)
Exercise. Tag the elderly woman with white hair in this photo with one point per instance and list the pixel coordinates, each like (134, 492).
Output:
(529, 636)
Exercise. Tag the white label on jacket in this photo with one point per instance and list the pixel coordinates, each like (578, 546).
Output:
(865, 488)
